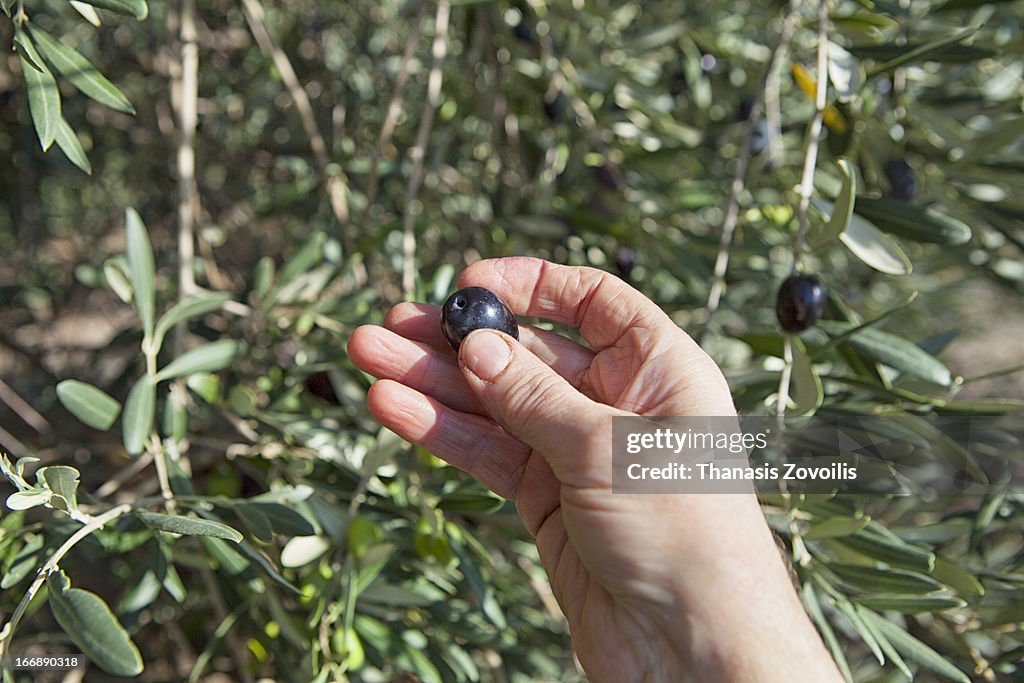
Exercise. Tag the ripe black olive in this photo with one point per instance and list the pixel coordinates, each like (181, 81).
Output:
(801, 302)
(625, 259)
(473, 308)
(902, 180)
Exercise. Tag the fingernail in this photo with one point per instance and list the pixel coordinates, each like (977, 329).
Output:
(485, 354)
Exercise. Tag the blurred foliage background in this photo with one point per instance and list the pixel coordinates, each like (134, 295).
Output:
(297, 168)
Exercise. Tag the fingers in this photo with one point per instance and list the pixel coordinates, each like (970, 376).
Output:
(422, 323)
(602, 306)
(531, 401)
(417, 364)
(472, 443)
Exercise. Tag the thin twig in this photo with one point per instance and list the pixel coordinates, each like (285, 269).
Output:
(94, 524)
(188, 118)
(814, 133)
(394, 109)
(23, 409)
(418, 151)
(337, 183)
(807, 186)
(112, 485)
(732, 209)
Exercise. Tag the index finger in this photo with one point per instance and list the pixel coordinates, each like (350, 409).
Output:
(601, 305)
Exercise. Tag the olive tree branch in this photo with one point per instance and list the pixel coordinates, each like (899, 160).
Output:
(732, 209)
(187, 84)
(806, 189)
(418, 152)
(336, 182)
(93, 524)
(394, 109)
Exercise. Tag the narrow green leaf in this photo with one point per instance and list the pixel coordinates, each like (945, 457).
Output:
(308, 256)
(884, 580)
(139, 412)
(914, 650)
(6, 5)
(838, 214)
(835, 526)
(807, 390)
(205, 385)
(189, 526)
(951, 574)
(175, 416)
(23, 500)
(811, 602)
(63, 482)
(917, 223)
(186, 309)
(874, 247)
(481, 502)
(132, 8)
(87, 11)
(862, 629)
(71, 64)
(256, 522)
(283, 519)
(896, 352)
(92, 406)
(894, 552)
(69, 143)
(226, 556)
(141, 269)
(932, 50)
(87, 619)
(871, 620)
(206, 358)
(43, 96)
(117, 280)
(909, 604)
(28, 51)
(26, 561)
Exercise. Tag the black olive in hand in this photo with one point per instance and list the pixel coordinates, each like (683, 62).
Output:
(473, 308)
(801, 302)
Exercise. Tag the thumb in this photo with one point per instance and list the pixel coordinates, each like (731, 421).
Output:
(539, 407)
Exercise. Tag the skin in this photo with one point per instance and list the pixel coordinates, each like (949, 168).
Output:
(654, 587)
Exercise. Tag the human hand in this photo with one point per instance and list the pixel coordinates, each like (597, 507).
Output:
(654, 587)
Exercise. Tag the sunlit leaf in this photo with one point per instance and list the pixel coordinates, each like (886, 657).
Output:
(874, 247)
(139, 413)
(894, 351)
(70, 63)
(87, 619)
(69, 143)
(914, 650)
(43, 95)
(191, 526)
(206, 358)
(141, 269)
(186, 309)
(63, 482)
(92, 406)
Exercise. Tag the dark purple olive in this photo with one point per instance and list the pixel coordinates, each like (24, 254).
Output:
(625, 259)
(902, 180)
(801, 302)
(474, 308)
